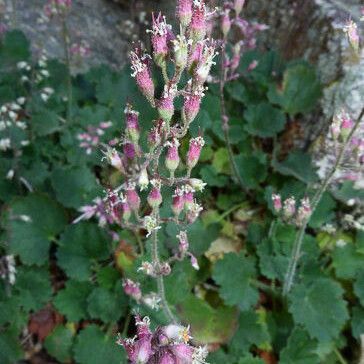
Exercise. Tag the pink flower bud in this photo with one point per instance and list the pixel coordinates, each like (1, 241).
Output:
(351, 31)
(155, 197)
(304, 211)
(188, 197)
(205, 63)
(129, 150)
(132, 123)
(159, 38)
(225, 23)
(180, 47)
(167, 358)
(165, 105)
(192, 103)
(194, 151)
(198, 21)
(125, 209)
(132, 197)
(195, 55)
(253, 65)
(183, 243)
(235, 61)
(238, 6)
(277, 202)
(289, 207)
(113, 158)
(194, 262)
(165, 269)
(141, 72)
(178, 202)
(172, 158)
(132, 289)
(184, 12)
(143, 327)
(183, 353)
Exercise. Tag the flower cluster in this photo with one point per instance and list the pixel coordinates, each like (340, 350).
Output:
(351, 167)
(57, 8)
(90, 139)
(166, 345)
(150, 173)
(288, 210)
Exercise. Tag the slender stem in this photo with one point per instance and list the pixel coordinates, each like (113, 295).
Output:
(160, 280)
(232, 209)
(340, 357)
(66, 45)
(297, 245)
(225, 120)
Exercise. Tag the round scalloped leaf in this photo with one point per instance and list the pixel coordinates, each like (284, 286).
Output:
(106, 305)
(319, 307)
(33, 287)
(264, 120)
(80, 246)
(31, 239)
(72, 300)
(59, 344)
(94, 347)
(233, 274)
(10, 349)
(300, 349)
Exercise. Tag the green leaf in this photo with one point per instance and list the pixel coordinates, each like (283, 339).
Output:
(40, 292)
(106, 305)
(251, 169)
(74, 186)
(10, 349)
(45, 122)
(107, 277)
(59, 344)
(210, 176)
(359, 286)
(264, 120)
(72, 300)
(208, 325)
(220, 161)
(250, 360)
(103, 348)
(292, 166)
(319, 308)
(233, 274)
(15, 48)
(300, 90)
(300, 349)
(251, 331)
(31, 239)
(347, 261)
(357, 322)
(80, 246)
(324, 211)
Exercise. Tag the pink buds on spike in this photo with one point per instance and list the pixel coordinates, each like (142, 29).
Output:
(132, 197)
(155, 197)
(141, 72)
(172, 158)
(194, 152)
(184, 12)
(159, 39)
(198, 21)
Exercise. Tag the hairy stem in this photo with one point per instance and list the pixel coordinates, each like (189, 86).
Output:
(297, 245)
(160, 281)
(66, 45)
(225, 120)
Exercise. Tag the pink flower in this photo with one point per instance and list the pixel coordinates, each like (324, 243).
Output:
(165, 104)
(159, 38)
(132, 123)
(198, 21)
(188, 197)
(289, 207)
(252, 65)
(277, 202)
(192, 103)
(194, 151)
(155, 197)
(172, 158)
(238, 6)
(132, 197)
(205, 63)
(113, 158)
(178, 201)
(141, 72)
(132, 289)
(225, 22)
(304, 211)
(129, 150)
(351, 31)
(184, 12)
(155, 134)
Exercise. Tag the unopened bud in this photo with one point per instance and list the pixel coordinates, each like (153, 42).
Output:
(155, 197)
(132, 197)
(132, 289)
(184, 12)
(225, 23)
(132, 124)
(172, 158)
(277, 202)
(194, 151)
(238, 6)
(289, 207)
(143, 180)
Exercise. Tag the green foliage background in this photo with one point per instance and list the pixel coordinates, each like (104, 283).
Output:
(224, 302)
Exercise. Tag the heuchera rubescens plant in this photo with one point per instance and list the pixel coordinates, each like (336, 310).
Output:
(190, 54)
